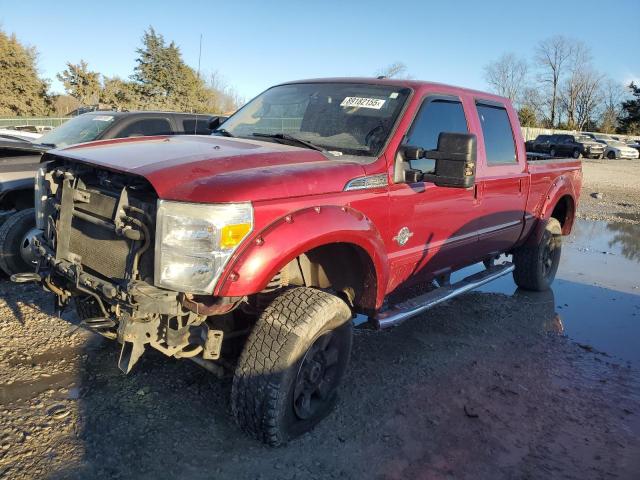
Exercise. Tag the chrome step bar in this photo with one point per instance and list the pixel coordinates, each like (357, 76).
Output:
(414, 306)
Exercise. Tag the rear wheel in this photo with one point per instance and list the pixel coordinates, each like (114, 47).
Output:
(16, 236)
(536, 266)
(288, 374)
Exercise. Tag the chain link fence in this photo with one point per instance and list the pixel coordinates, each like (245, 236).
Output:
(32, 121)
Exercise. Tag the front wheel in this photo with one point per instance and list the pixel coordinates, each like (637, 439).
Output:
(536, 266)
(288, 374)
(552, 153)
(577, 153)
(16, 236)
(611, 155)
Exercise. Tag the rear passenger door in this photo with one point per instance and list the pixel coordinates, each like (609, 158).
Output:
(501, 179)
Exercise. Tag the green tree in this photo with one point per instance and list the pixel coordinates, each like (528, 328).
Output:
(164, 81)
(527, 117)
(630, 117)
(163, 77)
(22, 91)
(80, 82)
(120, 94)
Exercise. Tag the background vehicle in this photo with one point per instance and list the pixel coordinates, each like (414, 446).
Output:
(541, 144)
(634, 143)
(252, 250)
(576, 146)
(615, 149)
(19, 160)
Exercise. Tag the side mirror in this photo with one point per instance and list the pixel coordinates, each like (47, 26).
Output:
(215, 122)
(455, 160)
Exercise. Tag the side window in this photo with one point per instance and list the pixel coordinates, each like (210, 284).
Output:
(191, 127)
(146, 127)
(498, 136)
(435, 116)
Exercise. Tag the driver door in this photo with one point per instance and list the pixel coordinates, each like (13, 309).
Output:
(431, 225)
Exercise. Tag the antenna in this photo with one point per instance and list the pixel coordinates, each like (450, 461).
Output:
(195, 127)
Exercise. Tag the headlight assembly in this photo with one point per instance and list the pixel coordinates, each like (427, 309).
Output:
(194, 242)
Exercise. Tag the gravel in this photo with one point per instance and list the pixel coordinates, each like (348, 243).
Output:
(610, 191)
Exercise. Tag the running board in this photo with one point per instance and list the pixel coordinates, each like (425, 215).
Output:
(414, 306)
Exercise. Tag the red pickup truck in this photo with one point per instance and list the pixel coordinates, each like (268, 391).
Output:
(253, 249)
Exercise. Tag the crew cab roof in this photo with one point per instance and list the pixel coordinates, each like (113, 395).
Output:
(401, 83)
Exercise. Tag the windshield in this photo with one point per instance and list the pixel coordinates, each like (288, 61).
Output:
(343, 118)
(584, 138)
(83, 128)
(616, 143)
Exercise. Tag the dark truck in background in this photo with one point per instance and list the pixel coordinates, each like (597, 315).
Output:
(565, 145)
(19, 161)
(252, 250)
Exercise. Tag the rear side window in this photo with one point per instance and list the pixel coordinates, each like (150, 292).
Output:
(498, 136)
(435, 116)
(191, 127)
(146, 127)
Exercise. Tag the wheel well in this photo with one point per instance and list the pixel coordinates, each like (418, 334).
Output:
(342, 267)
(17, 200)
(564, 212)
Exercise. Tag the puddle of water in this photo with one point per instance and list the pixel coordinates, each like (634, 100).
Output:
(597, 288)
(29, 389)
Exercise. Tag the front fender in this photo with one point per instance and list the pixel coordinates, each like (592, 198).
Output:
(259, 260)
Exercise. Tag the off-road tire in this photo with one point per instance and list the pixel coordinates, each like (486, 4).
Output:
(12, 233)
(262, 395)
(536, 266)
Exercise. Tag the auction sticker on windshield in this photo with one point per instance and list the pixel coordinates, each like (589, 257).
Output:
(362, 102)
(102, 118)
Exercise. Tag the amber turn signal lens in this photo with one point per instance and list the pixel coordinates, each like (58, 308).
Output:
(232, 235)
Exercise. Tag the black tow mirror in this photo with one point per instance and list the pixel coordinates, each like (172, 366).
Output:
(455, 161)
(215, 122)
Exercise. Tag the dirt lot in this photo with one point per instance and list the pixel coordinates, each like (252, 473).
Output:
(490, 385)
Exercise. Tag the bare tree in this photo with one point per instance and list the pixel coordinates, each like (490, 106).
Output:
(507, 76)
(551, 56)
(613, 93)
(394, 70)
(589, 98)
(580, 81)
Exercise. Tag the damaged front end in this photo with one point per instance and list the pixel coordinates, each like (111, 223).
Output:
(97, 251)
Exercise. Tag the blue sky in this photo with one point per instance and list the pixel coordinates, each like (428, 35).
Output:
(255, 44)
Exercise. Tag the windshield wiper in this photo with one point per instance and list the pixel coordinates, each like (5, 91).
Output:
(52, 145)
(285, 137)
(224, 132)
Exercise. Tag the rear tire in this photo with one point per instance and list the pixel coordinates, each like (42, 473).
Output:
(536, 266)
(292, 363)
(12, 235)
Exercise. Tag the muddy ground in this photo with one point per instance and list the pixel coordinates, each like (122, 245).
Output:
(495, 384)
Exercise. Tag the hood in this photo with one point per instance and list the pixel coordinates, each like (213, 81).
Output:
(219, 169)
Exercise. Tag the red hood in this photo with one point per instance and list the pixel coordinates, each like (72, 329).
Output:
(219, 169)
